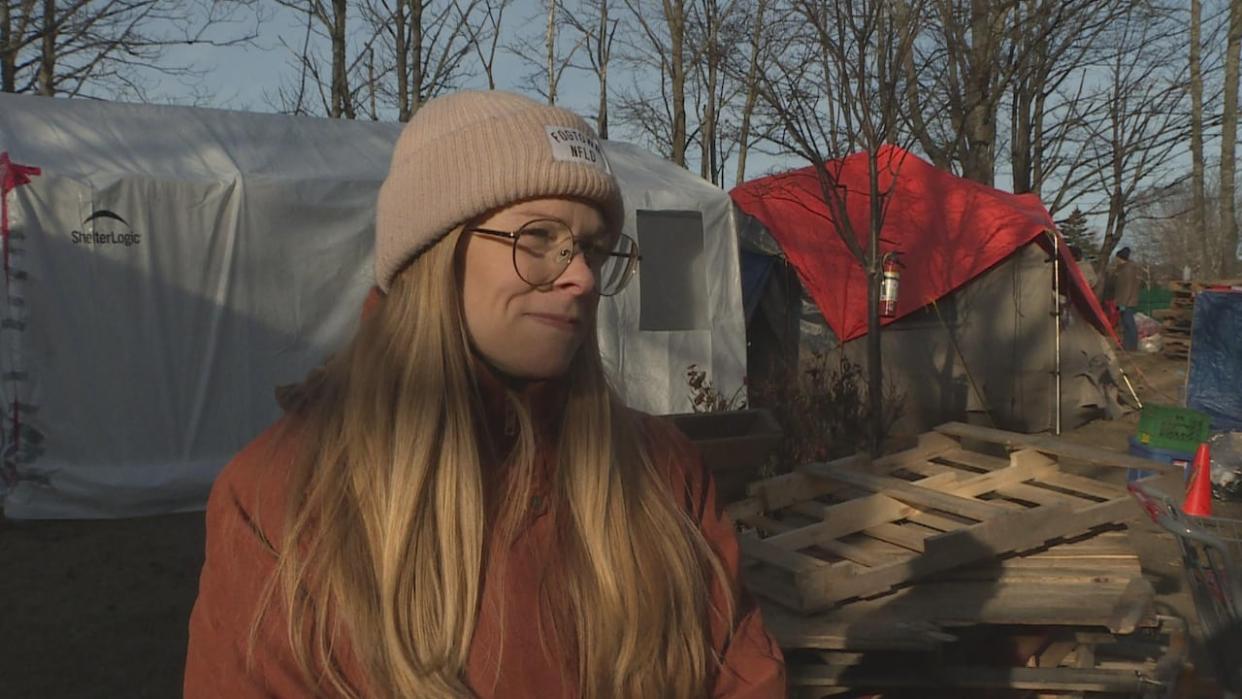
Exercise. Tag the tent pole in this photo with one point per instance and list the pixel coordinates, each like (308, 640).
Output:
(1056, 319)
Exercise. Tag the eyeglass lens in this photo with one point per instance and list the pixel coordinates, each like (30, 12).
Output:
(543, 250)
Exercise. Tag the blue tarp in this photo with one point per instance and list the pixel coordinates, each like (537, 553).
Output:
(1215, 382)
(756, 268)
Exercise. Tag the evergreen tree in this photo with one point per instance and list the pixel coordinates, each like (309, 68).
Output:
(1074, 229)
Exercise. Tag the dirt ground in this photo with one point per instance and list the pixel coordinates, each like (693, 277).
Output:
(99, 608)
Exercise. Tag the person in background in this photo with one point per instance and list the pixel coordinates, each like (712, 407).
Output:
(1126, 294)
(459, 505)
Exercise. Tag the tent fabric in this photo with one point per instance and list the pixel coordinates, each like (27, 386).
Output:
(1216, 358)
(172, 265)
(948, 231)
(756, 268)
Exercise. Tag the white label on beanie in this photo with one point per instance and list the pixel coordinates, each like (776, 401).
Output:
(574, 146)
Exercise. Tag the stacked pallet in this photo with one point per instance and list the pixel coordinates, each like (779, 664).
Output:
(1177, 319)
(1179, 316)
(951, 567)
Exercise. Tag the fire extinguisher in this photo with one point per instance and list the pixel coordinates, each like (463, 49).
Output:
(889, 283)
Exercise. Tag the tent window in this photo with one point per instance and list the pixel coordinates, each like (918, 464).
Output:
(673, 281)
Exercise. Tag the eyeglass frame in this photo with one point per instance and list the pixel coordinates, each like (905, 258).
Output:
(573, 251)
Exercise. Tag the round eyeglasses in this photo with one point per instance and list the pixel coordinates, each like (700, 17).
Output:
(544, 248)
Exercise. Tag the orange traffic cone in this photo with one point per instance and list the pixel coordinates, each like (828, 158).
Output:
(1199, 497)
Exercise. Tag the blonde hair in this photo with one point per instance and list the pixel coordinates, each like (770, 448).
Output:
(389, 517)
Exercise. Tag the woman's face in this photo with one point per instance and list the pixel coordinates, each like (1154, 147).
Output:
(529, 332)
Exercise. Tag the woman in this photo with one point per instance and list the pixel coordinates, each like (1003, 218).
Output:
(458, 505)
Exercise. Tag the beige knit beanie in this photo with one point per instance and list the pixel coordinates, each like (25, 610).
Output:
(468, 153)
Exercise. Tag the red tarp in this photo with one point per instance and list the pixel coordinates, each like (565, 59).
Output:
(948, 230)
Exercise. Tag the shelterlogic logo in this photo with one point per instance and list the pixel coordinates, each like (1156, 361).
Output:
(105, 228)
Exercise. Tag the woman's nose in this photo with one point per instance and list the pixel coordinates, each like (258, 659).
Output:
(578, 276)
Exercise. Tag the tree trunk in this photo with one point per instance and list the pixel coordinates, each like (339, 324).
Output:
(674, 14)
(47, 62)
(1020, 145)
(752, 91)
(8, 50)
(875, 368)
(978, 157)
(979, 135)
(1228, 144)
(401, 62)
(602, 51)
(550, 36)
(341, 103)
(707, 129)
(416, 56)
(1198, 206)
(1037, 143)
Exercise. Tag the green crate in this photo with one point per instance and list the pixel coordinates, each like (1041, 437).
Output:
(1173, 428)
(1154, 298)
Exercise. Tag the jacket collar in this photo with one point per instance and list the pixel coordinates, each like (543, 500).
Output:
(498, 393)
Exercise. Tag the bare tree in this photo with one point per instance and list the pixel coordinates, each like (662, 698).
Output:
(1054, 43)
(838, 90)
(488, 40)
(112, 47)
(1139, 124)
(1164, 235)
(757, 49)
(715, 27)
(954, 113)
(592, 22)
(662, 44)
(397, 53)
(1229, 142)
(1198, 202)
(329, 21)
(547, 67)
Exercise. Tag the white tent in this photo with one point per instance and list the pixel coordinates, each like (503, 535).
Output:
(167, 267)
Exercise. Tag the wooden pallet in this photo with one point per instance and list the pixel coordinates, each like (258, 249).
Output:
(1090, 581)
(1075, 618)
(849, 529)
(1049, 661)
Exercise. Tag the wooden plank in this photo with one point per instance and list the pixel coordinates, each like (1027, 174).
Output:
(794, 632)
(844, 518)
(904, 536)
(760, 550)
(1056, 652)
(1088, 486)
(1052, 445)
(766, 524)
(954, 603)
(780, 491)
(1125, 682)
(848, 517)
(938, 522)
(851, 552)
(907, 492)
(1013, 531)
(1024, 465)
(771, 583)
(1134, 606)
(974, 458)
(777, 492)
(1041, 496)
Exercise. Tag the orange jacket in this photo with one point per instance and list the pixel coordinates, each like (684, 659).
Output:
(245, 514)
